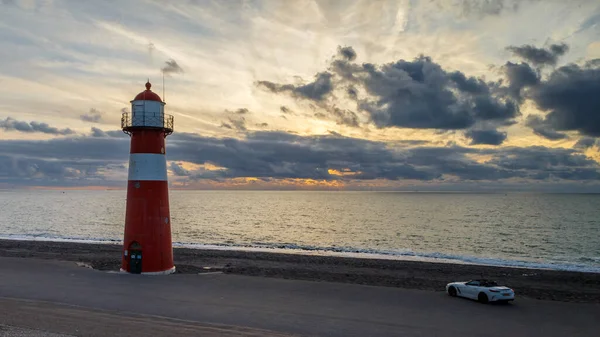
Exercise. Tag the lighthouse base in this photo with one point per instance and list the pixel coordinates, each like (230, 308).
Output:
(164, 272)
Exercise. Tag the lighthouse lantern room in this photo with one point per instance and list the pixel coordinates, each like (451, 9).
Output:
(147, 245)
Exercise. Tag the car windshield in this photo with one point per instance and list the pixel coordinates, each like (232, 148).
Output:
(490, 284)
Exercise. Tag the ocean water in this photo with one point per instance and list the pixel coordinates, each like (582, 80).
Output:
(556, 231)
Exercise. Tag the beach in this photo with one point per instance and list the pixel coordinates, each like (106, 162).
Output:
(540, 284)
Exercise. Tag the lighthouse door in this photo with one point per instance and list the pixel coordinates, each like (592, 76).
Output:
(135, 258)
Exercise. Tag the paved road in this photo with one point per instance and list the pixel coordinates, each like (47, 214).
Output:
(238, 302)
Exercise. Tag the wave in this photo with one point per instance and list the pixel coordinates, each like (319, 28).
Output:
(404, 254)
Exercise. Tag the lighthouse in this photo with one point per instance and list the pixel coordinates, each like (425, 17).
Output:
(147, 246)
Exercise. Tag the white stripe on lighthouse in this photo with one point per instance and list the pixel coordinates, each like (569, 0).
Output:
(147, 166)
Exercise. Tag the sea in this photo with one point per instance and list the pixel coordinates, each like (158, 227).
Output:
(545, 231)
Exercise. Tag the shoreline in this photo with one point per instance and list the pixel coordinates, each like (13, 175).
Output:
(343, 252)
(543, 284)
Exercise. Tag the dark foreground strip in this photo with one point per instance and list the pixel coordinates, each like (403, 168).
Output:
(80, 321)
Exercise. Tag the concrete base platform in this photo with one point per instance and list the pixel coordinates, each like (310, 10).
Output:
(165, 272)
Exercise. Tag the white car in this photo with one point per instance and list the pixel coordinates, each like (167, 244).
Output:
(483, 291)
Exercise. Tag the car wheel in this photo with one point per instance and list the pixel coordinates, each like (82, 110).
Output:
(482, 298)
(452, 291)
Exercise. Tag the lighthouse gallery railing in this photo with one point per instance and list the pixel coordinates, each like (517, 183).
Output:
(129, 122)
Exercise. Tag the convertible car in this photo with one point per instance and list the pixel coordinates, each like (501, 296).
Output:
(483, 291)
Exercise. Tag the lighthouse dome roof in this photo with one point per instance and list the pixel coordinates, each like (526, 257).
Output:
(147, 95)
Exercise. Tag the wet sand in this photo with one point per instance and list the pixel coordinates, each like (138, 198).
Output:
(528, 283)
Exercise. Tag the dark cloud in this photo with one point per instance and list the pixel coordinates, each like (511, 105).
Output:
(171, 67)
(22, 170)
(541, 128)
(113, 147)
(540, 56)
(420, 94)
(489, 137)
(283, 155)
(241, 111)
(11, 124)
(347, 53)
(98, 133)
(275, 155)
(238, 123)
(316, 90)
(93, 116)
(352, 93)
(262, 125)
(112, 133)
(412, 94)
(544, 163)
(345, 117)
(570, 97)
(469, 84)
(586, 142)
(519, 76)
(286, 110)
(178, 170)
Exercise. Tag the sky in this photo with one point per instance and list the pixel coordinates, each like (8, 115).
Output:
(430, 95)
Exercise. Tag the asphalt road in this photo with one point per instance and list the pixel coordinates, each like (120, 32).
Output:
(61, 297)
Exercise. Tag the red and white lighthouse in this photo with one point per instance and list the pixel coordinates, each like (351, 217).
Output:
(147, 246)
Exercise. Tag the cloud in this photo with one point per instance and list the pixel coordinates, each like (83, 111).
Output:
(420, 94)
(489, 137)
(178, 170)
(11, 124)
(281, 155)
(541, 128)
(544, 163)
(586, 142)
(357, 73)
(417, 94)
(96, 132)
(570, 97)
(172, 67)
(347, 53)
(316, 90)
(286, 110)
(540, 56)
(238, 123)
(269, 155)
(519, 76)
(240, 111)
(94, 116)
(345, 117)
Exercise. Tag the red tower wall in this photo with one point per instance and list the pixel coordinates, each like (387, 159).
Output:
(147, 217)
